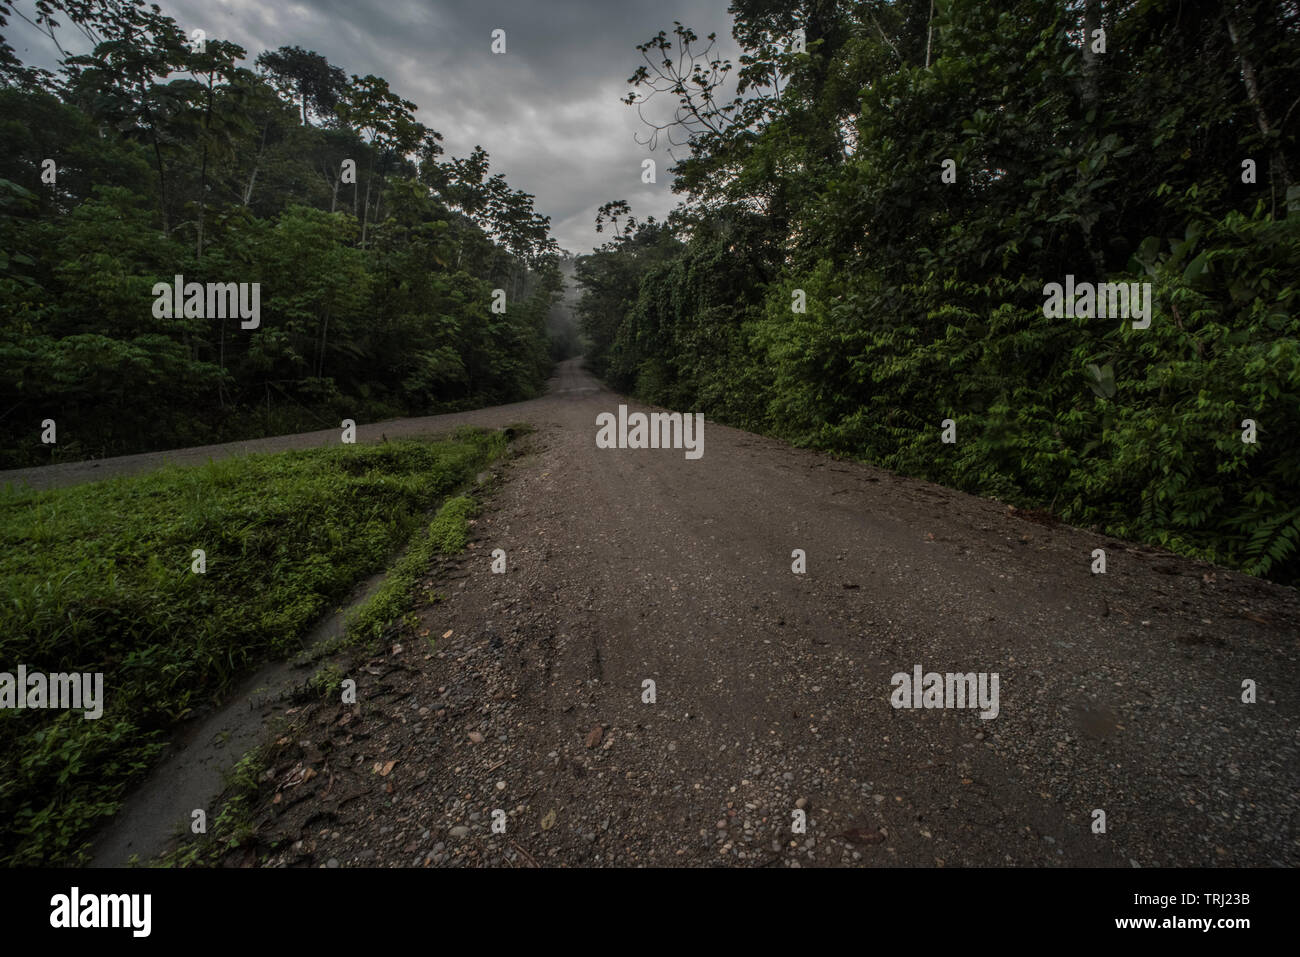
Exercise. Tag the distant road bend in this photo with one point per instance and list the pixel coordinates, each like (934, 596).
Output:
(1119, 693)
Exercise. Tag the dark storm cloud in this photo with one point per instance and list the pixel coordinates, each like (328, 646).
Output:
(547, 111)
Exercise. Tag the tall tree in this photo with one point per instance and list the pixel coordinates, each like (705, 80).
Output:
(307, 78)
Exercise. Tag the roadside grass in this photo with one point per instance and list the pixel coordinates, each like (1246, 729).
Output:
(375, 620)
(446, 535)
(97, 578)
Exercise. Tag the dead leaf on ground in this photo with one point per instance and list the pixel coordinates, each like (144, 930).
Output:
(299, 775)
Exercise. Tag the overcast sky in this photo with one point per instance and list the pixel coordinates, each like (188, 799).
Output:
(547, 111)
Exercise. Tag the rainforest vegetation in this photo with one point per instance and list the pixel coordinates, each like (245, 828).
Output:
(875, 198)
(158, 153)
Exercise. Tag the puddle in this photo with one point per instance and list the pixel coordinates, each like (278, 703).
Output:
(191, 773)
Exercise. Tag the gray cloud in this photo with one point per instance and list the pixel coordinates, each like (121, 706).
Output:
(547, 111)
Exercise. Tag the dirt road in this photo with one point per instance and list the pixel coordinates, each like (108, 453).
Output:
(1118, 692)
(569, 381)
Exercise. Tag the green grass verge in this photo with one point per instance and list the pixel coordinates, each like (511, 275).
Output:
(446, 535)
(97, 578)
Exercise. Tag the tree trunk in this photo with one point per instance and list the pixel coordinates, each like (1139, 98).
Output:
(365, 210)
(320, 355)
(157, 152)
(248, 190)
(1277, 159)
(257, 162)
(1091, 23)
(929, 34)
(203, 166)
(221, 361)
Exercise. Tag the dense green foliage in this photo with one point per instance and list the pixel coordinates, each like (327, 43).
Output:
(376, 279)
(99, 578)
(925, 298)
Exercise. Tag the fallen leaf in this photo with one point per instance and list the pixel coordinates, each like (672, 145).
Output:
(548, 821)
(385, 768)
(593, 738)
(447, 635)
(475, 737)
(299, 775)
